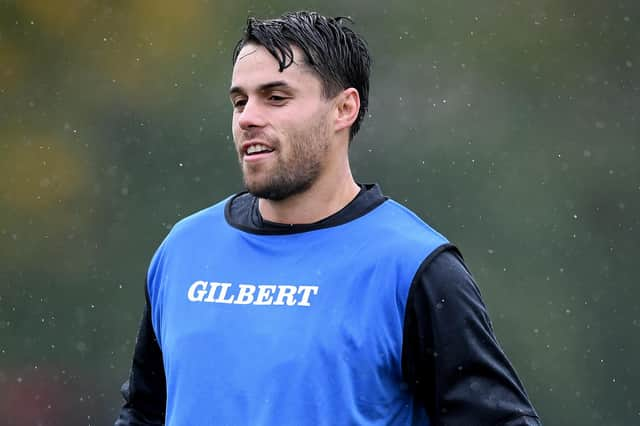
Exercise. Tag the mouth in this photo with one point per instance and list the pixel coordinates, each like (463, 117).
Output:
(255, 150)
(258, 148)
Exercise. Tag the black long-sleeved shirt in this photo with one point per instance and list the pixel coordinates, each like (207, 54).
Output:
(450, 356)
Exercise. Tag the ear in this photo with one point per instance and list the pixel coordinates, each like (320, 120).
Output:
(347, 108)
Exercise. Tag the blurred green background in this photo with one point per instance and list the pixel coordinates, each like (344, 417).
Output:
(511, 126)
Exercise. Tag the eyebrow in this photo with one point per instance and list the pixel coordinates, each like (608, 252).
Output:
(262, 88)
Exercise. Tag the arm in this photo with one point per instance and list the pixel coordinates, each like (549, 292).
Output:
(451, 358)
(145, 392)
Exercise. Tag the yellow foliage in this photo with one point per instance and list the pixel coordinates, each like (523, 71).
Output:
(40, 173)
(135, 55)
(55, 17)
(12, 66)
(165, 25)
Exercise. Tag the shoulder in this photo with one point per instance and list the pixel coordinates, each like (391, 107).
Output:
(402, 227)
(199, 221)
(396, 237)
(191, 229)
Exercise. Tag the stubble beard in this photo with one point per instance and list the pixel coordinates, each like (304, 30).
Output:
(296, 173)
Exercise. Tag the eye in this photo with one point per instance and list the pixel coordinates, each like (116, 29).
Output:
(238, 102)
(277, 98)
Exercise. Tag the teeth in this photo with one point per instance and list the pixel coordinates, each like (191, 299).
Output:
(257, 148)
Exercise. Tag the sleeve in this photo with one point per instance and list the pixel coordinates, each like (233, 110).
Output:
(145, 392)
(451, 358)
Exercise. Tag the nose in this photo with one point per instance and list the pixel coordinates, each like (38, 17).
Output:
(251, 115)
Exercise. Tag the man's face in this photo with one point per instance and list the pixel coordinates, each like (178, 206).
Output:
(280, 123)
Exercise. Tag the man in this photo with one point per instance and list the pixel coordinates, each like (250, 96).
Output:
(311, 299)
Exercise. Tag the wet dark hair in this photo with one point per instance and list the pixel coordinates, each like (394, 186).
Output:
(337, 55)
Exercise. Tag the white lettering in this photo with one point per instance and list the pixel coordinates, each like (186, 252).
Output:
(306, 291)
(213, 286)
(245, 295)
(223, 294)
(288, 292)
(265, 295)
(194, 294)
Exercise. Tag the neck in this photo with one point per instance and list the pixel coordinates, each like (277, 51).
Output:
(326, 196)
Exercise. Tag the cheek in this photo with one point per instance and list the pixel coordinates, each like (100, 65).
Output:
(301, 120)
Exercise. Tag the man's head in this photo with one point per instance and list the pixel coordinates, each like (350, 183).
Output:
(335, 53)
(296, 104)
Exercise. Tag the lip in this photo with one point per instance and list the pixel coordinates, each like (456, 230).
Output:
(255, 157)
(247, 144)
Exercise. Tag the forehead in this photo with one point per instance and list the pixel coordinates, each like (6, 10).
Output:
(255, 66)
